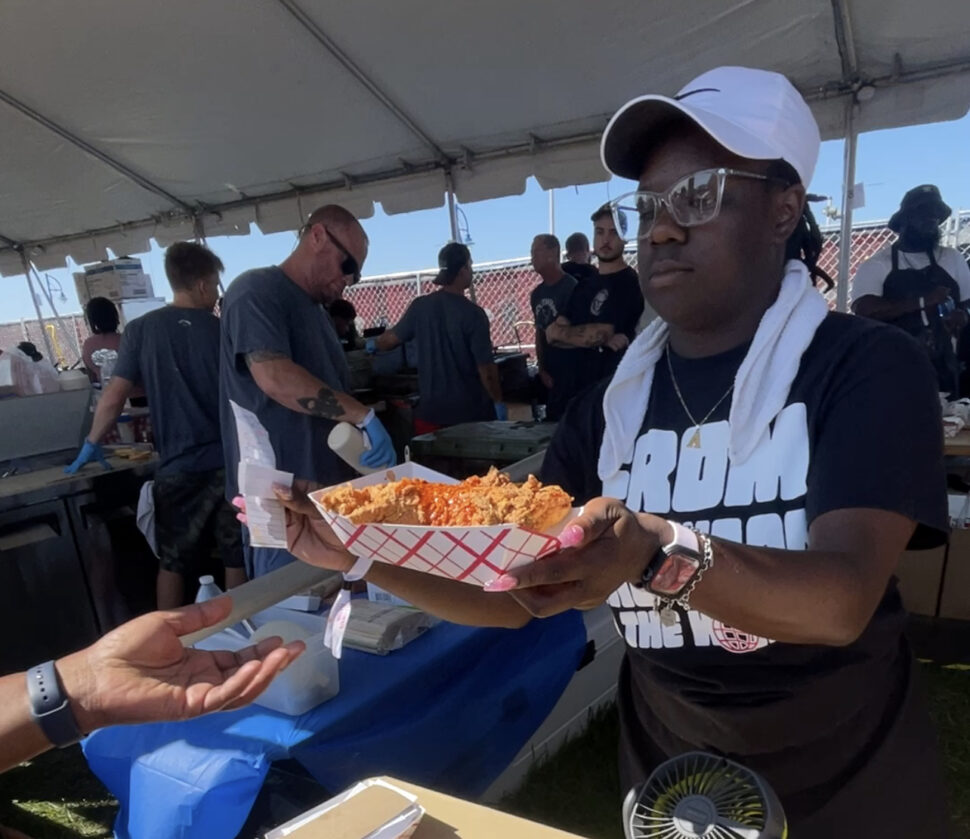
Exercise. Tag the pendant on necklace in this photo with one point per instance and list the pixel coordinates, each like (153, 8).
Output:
(668, 617)
(695, 440)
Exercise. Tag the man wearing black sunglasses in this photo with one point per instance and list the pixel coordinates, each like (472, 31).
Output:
(282, 360)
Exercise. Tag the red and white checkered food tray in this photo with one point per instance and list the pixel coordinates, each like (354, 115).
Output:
(470, 554)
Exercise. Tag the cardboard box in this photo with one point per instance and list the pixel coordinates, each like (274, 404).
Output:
(372, 809)
(116, 279)
(444, 817)
(955, 602)
(919, 574)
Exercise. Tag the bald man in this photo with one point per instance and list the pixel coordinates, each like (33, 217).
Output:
(282, 360)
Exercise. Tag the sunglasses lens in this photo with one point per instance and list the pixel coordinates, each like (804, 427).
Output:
(694, 200)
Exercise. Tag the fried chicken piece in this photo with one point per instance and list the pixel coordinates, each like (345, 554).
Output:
(475, 502)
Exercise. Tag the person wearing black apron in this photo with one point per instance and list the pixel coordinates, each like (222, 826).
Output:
(919, 293)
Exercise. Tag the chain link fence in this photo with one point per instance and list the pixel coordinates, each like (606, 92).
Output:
(502, 288)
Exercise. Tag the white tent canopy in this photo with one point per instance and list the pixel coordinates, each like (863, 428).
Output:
(125, 121)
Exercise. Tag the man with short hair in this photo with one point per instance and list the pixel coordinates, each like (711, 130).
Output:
(548, 300)
(173, 353)
(282, 360)
(458, 379)
(601, 319)
(918, 285)
(344, 317)
(577, 262)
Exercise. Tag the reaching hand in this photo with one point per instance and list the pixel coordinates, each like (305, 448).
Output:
(937, 296)
(308, 537)
(140, 672)
(89, 452)
(370, 346)
(381, 452)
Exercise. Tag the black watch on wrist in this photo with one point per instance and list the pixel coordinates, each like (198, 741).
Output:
(674, 565)
(50, 707)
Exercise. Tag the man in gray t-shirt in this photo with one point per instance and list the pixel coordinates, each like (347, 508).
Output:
(457, 377)
(173, 353)
(282, 360)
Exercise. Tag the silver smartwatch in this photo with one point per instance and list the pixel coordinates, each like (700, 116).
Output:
(49, 707)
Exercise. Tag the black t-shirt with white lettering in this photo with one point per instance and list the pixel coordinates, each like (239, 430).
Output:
(825, 725)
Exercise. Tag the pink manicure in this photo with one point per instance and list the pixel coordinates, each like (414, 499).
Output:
(570, 537)
(503, 583)
(239, 502)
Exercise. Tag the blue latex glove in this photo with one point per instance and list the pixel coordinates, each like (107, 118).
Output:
(501, 411)
(370, 346)
(89, 452)
(381, 453)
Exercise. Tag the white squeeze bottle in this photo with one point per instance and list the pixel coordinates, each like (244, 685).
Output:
(208, 590)
(347, 442)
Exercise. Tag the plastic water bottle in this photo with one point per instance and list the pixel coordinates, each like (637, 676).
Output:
(208, 590)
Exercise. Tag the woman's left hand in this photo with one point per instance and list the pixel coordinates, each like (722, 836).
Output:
(606, 546)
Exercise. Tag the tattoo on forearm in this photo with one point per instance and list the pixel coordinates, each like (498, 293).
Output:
(258, 356)
(325, 404)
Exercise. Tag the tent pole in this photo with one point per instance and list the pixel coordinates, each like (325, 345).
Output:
(552, 211)
(33, 297)
(848, 195)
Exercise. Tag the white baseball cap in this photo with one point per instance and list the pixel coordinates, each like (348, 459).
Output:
(755, 114)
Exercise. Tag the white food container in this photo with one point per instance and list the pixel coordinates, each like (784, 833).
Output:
(310, 680)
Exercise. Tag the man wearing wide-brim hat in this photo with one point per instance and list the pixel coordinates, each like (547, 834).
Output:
(917, 284)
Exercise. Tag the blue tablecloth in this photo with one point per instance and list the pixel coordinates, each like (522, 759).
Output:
(448, 711)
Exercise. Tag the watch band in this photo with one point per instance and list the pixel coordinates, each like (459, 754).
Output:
(49, 707)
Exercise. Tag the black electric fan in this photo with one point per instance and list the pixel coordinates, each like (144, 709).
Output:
(701, 796)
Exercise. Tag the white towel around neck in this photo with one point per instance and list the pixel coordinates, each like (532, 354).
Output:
(760, 388)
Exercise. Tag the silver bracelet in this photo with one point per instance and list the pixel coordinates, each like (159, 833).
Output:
(707, 560)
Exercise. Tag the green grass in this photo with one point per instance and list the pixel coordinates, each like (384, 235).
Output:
(578, 789)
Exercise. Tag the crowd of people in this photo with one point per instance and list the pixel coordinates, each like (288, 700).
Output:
(734, 443)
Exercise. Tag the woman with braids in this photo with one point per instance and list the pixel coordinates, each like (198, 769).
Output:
(751, 475)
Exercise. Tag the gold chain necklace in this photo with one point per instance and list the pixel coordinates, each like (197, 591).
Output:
(695, 440)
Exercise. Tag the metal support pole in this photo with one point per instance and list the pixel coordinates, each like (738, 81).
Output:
(552, 211)
(848, 195)
(452, 212)
(33, 296)
(57, 317)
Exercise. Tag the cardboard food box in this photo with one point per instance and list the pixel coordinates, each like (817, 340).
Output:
(470, 554)
(372, 809)
(443, 817)
(116, 279)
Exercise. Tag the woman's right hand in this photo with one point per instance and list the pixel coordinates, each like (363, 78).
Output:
(308, 537)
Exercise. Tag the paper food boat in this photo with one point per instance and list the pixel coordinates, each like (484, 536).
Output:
(470, 554)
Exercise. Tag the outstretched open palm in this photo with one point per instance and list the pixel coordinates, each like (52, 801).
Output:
(140, 672)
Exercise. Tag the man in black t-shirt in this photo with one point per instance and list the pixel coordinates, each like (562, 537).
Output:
(600, 321)
(548, 300)
(751, 475)
(577, 262)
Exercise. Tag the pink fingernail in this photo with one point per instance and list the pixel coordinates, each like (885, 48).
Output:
(242, 517)
(503, 583)
(571, 536)
(238, 501)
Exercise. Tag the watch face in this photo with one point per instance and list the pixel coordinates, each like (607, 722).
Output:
(675, 574)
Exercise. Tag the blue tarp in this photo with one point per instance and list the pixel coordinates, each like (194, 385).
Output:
(448, 711)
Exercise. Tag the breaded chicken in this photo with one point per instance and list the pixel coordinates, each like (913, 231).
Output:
(475, 502)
